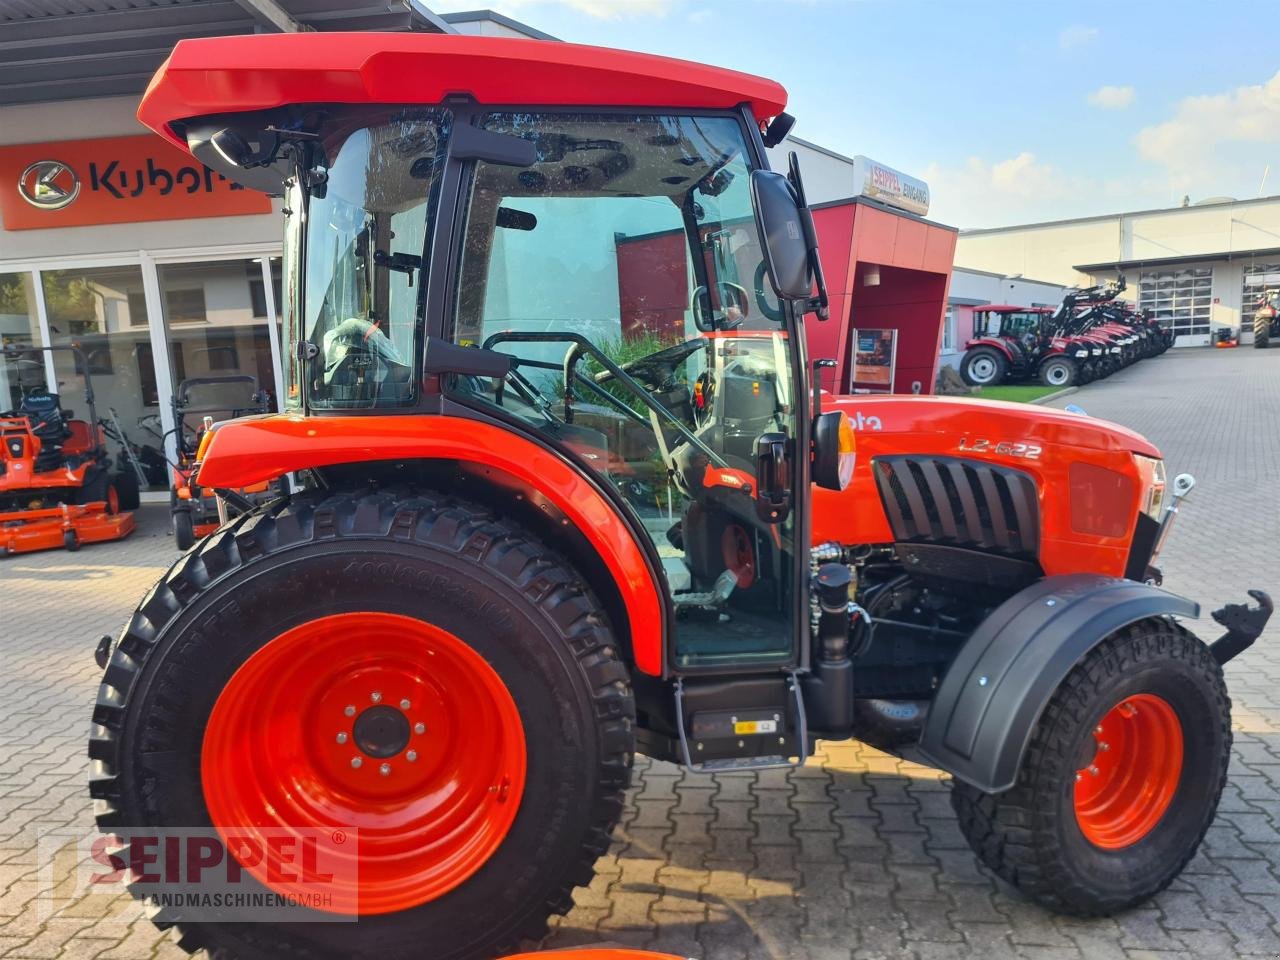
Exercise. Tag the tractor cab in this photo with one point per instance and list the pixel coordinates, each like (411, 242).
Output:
(623, 286)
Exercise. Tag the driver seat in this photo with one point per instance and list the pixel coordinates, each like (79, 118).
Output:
(43, 411)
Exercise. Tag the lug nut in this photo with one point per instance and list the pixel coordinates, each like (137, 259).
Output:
(1103, 745)
(356, 763)
(411, 756)
(1079, 777)
(404, 704)
(342, 738)
(350, 711)
(376, 696)
(1098, 728)
(419, 728)
(1093, 771)
(385, 769)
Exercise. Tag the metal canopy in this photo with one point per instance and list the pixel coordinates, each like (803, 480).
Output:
(73, 49)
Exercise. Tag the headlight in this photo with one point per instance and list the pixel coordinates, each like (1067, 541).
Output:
(1082, 353)
(1152, 473)
(1115, 349)
(1097, 351)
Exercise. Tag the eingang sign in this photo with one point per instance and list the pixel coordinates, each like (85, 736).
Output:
(890, 186)
(76, 183)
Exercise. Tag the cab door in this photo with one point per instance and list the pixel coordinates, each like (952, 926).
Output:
(623, 271)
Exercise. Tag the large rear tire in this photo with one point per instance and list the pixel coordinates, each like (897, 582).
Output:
(291, 606)
(984, 367)
(1121, 778)
(1261, 332)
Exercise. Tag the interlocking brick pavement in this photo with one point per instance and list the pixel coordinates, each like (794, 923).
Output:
(856, 855)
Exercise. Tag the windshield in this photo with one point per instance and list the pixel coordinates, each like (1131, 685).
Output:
(365, 237)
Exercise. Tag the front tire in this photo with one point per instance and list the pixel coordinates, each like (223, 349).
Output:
(984, 366)
(1088, 829)
(184, 528)
(1261, 332)
(290, 605)
(1058, 372)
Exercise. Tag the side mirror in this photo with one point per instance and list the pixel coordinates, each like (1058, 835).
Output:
(782, 234)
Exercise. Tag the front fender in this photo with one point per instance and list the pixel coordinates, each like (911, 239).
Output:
(988, 704)
(252, 449)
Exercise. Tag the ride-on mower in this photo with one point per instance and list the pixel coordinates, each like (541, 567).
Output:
(58, 486)
(194, 512)
(454, 636)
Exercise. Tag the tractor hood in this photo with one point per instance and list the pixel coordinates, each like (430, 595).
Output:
(958, 417)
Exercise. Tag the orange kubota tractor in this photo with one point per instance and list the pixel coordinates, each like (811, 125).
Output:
(456, 633)
(58, 487)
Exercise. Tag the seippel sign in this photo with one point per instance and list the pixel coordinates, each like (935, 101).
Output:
(78, 183)
(890, 186)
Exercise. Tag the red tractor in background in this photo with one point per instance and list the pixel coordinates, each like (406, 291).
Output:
(1016, 343)
(453, 636)
(58, 484)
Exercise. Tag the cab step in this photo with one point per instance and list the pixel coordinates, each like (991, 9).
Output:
(717, 736)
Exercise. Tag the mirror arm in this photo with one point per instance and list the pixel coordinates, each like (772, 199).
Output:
(820, 304)
(817, 383)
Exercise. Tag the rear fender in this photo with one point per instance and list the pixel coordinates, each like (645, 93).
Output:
(252, 450)
(988, 704)
(991, 342)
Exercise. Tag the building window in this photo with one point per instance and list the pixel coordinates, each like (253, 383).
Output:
(258, 292)
(1182, 298)
(949, 329)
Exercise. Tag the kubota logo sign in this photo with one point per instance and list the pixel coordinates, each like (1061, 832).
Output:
(113, 180)
(49, 184)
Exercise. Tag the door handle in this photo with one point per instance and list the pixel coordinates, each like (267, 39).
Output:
(773, 499)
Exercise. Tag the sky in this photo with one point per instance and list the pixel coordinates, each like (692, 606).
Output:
(1012, 112)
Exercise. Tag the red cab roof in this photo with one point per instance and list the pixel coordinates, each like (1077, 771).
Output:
(234, 74)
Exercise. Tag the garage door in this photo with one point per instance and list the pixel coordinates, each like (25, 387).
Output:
(1181, 298)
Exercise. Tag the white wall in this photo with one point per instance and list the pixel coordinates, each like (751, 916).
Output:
(826, 176)
(1052, 250)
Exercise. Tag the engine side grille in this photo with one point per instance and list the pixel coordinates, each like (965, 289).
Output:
(958, 502)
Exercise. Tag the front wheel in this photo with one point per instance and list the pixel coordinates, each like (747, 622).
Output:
(1058, 372)
(984, 366)
(1121, 778)
(407, 669)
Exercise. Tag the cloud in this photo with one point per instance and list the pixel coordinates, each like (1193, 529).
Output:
(1077, 36)
(984, 193)
(1112, 98)
(1207, 142)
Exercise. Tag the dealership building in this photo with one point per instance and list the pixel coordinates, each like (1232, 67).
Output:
(1201, 265)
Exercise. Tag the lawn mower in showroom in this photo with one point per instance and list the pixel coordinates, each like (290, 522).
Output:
(196, 512)
(1266, 318)
(58, 485)
(453, 637)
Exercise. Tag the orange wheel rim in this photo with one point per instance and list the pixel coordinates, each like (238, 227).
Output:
(1122, 793)
(738, 554)
(374, 723)
(113, 499)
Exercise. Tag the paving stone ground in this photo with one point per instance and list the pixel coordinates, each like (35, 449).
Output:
(856, 855)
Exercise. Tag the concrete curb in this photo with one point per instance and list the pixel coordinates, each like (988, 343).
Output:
(1064, 392)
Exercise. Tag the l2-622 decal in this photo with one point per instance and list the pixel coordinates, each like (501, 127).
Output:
(1001, 448)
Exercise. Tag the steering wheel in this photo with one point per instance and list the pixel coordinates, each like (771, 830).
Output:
(657, 370)
(771, 311)
(730, 295)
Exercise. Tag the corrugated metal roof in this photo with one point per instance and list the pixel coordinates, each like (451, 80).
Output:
(69, 49)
